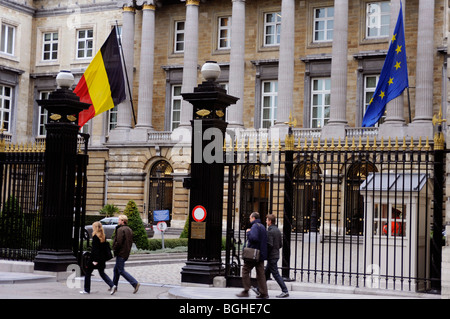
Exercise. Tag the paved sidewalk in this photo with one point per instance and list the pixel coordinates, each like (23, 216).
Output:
(162, 280)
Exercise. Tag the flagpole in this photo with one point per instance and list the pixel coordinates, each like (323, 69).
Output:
(126, 73)
(409, 105)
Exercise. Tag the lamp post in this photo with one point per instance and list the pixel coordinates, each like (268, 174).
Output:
(63, 107)
(209, 102)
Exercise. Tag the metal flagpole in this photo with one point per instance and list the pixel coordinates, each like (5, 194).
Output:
(126, 73)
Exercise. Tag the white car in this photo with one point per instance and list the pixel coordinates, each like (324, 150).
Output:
(109, 225)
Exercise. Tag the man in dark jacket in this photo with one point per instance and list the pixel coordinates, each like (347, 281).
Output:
(123, 240)
(256, 238)
(274, 243)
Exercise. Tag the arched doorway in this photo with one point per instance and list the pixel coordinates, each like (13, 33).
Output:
(307, 197)
(354, 201)
(254, 193)
(160, 189)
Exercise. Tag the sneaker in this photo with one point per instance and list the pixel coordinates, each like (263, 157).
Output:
(255, 290)
(243, 293)
(283, 295)
(113, 289)
(83, 292)
(136, 288)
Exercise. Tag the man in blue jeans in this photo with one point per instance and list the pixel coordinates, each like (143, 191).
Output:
(123, 240)
(274, 243)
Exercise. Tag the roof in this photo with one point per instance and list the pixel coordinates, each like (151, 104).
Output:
(394, 182)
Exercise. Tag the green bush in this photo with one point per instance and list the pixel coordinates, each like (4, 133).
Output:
(155, 244)
(185, 232)
(136, 225)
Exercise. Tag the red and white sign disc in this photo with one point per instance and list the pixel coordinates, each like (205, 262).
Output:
(199, 213)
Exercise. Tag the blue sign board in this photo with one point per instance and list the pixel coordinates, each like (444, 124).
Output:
(161, 215)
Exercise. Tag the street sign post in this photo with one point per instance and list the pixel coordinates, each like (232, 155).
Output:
(162, 226)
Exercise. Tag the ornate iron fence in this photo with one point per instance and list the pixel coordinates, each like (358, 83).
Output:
(21, 194)
(352, 212)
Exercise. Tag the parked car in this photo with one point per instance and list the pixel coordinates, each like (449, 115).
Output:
(110, 224)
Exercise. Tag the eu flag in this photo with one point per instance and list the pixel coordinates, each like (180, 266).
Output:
(393, 78)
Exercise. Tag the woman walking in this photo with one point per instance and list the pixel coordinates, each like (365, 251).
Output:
(98, 258)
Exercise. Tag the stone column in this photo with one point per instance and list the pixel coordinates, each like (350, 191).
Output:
(338, 121)
(424, 68)
(147, 65)
(394, 109)
(286, 63)
(237, 64)
(144, 115)
(190, 59)
(124, 115)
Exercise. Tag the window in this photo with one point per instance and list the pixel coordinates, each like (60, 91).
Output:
(323, 24)
(112, 118)
(378, 19)
(390, 225)
(179, 37)
(269, 99)
(43, 114)
(175, 109)
(50, 46)
(224, 35)
(85, 41)
(320, 102)
(272, 28)
(6, 93)
(7, 39)
(370, 84)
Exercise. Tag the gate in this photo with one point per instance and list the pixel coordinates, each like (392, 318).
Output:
(353, 212)
(21, 194)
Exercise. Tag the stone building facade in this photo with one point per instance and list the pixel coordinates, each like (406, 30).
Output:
(315, 60)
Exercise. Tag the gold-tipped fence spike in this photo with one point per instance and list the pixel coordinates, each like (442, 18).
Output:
(419, 146)
(404, 146)
(325, 145)
(396, 146)
(382, 144)
(360, 146)
(279, 144)
(224, 147)
(367, 144)
(389, 144)
(339, 146)
(427, 145)
(312, 144)
(332, 144)
(346, 144)
(305, 147)
(374, 146)
(353, 147)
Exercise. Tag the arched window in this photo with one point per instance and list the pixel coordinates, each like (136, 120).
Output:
(307, 207)
(160, 189)
(354, 206)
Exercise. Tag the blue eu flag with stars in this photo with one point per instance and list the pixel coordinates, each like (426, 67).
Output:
(393, 78)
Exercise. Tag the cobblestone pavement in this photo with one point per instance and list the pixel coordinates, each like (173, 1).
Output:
(168, 274)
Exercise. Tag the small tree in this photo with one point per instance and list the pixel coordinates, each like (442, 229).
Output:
(109, 210)
(136, 225)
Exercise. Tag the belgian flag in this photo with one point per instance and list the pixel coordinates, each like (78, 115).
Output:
(102, 84)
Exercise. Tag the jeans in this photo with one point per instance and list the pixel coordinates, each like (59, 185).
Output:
(101, 271)
(119, 270)
(272, 268)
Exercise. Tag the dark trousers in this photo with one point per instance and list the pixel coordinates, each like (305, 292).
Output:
(260, 276)
(272, 268)
(119, 270)
(101, 271)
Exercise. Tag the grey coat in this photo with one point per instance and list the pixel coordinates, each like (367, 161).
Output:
(274, 242)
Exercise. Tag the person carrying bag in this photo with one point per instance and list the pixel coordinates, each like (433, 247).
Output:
(100, 253)
(254, 255)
